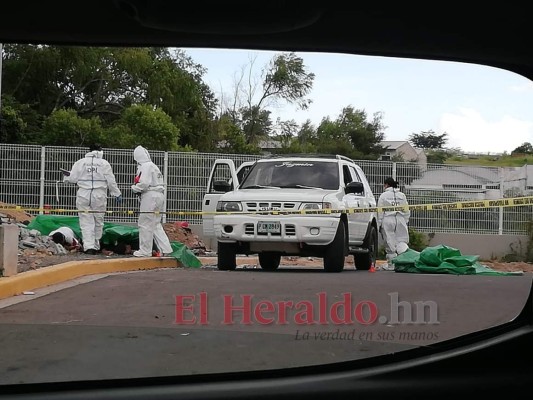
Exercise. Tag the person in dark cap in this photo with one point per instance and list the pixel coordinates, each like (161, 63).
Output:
(393, 224)
(94, 177)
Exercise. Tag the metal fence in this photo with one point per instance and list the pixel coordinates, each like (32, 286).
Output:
(30, 178)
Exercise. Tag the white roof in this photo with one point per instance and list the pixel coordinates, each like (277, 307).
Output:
(393, 144)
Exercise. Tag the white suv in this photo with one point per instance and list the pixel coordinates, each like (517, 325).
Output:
(279, 206)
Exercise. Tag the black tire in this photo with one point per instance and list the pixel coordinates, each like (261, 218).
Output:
(227, 256)
(363, 261)
(269, 261)
(336, 251)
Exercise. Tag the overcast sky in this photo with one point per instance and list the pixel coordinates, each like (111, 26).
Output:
(482, 109)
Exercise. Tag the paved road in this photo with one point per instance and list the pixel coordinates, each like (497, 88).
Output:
(128, 325)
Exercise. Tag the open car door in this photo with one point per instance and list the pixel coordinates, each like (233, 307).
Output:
(224, 177)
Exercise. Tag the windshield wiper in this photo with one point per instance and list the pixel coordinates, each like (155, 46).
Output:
(260, 187)
(300, 187)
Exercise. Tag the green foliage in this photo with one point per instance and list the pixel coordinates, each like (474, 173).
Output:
(12, 126)
(66, 128)
(436, 156)
(284, 79)
(492, 161)
(122, 97)
(417, 240)
(524, 148)
(233, 140)
(351, 134)
(103, 81)
(287, 78)
(256, 124)
(149, 127)
(428, 140)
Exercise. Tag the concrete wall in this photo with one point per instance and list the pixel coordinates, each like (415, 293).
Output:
(487, 247)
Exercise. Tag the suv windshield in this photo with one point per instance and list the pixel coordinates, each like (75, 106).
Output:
(293, 174)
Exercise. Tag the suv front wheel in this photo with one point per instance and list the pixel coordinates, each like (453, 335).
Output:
(336, 251)
(227, 256)
(269, 261)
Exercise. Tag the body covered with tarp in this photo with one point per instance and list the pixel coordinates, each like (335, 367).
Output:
(443, 259)
(111, 234)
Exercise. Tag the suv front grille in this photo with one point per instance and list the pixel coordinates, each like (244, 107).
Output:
(268, 206)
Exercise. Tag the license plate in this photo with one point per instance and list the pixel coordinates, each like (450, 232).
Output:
(268, 227)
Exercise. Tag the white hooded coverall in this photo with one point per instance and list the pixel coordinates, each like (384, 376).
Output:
(150, 184)
(93, 175)
(393, 224)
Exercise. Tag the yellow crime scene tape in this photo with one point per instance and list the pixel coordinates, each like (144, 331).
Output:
(459, 205)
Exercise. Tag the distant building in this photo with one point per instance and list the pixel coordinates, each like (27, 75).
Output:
(270, 146)
(404, 150)
(476, 183)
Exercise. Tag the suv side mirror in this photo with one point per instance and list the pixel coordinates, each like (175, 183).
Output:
(355, 187)
(221, 186)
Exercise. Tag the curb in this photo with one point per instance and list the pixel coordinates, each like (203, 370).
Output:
(30, 280)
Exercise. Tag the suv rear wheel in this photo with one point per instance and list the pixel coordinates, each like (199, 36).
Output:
(363, 261)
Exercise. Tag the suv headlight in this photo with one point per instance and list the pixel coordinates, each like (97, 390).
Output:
(315, 206)
(229, 206)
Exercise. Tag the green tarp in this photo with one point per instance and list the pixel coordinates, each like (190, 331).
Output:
(112, 232)
(442, 259)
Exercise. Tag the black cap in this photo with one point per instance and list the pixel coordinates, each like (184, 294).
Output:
(95, 146)
(391, 182)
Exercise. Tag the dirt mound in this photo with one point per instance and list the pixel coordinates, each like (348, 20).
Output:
(177, 233)
(10, 212)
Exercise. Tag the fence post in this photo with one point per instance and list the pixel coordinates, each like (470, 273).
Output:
(502, 193)
(394, 170)
(165, 177)
(41, 189)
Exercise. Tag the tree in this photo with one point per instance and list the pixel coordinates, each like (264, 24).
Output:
(428, 140)
(12, 126)
(436, 156)
(104, 81)
(149, 127)
(365, 136)
(524, 148)
(284, 79)
(301, 140)
(351, 134)
(65, 128)
(256, 124)
(232, 138)
(288, 130)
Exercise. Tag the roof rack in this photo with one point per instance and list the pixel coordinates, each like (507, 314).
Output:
(311, 155)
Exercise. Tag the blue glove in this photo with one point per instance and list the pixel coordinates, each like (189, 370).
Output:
(118, 199)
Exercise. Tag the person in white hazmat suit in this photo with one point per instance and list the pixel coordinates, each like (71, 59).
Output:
(94, 177)
(149, 185)
(393, 224)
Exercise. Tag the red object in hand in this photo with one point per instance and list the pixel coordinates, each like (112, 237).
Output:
(137, 179)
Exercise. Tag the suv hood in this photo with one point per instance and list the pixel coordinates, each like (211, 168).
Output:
(294, 195)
